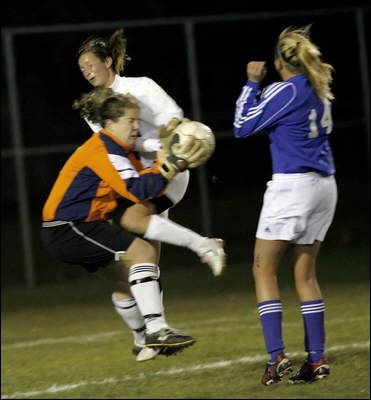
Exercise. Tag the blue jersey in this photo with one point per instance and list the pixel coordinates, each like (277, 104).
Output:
(297, 121)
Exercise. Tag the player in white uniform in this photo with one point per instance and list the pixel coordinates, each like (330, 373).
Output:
(300, 200)
(101, 61)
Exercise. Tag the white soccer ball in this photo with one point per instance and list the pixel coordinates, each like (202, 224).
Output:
(189, 131)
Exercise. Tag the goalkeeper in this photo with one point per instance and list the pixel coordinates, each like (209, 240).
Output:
(76, 217)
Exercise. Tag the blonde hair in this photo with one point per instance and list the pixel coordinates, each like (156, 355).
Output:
(114, 47)
(299, 54)
(102, 103)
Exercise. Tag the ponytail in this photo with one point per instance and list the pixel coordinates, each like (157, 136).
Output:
(114, 47)
(300, 55)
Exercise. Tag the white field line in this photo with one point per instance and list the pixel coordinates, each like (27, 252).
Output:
(221, 328)
(170, 371)
(64, 339)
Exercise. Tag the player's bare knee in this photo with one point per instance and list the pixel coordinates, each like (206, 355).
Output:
(132, 222)
(136, 218)
(305, 280)
(122, 288)
(126, 220)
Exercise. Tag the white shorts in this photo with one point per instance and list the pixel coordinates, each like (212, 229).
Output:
(297, 207)
(176, 188)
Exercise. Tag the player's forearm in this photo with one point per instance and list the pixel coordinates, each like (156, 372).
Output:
(146, 186)
(243, 123)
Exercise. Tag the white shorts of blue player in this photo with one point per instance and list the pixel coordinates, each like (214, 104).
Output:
(297, 207)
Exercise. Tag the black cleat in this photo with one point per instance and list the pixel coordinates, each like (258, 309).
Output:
(172, 351)
(168, 338)
(309, 373)
(275, 371)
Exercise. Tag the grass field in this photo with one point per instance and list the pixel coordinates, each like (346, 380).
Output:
(66, 341)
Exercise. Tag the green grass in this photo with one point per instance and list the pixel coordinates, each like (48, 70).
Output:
(68, 307)
(220, 312)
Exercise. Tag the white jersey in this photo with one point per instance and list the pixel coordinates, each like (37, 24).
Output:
(156, 108)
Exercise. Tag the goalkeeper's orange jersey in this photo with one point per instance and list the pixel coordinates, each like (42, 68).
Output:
(96, 174)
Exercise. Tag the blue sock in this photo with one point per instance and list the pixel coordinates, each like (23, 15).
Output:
(270, 313)
(313, 313)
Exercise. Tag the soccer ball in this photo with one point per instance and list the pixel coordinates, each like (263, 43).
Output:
(185, 136)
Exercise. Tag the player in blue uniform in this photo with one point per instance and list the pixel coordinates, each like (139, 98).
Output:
(300, 200)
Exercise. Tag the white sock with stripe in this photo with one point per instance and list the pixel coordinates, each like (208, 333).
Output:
(129, 312)
(313, 313)
(270, 313)
(143, 279)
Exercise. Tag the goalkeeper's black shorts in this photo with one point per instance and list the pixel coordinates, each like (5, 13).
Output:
(90, 244)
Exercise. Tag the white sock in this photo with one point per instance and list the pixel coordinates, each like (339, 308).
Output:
(146, 290)
(129, 312)
(161, 291)
(165, 230)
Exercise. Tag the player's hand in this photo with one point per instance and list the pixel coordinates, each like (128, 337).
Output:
(166, 167)
(164, 134)
(164, 131)
(256, 71)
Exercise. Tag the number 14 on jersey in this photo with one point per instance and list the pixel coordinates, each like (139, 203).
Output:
(325, 122)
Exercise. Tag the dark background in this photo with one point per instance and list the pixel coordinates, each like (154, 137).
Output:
(32, 13)
(49, 80)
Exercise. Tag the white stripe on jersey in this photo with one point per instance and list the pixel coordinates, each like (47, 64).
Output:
(269, 94)
(123, 166)
(241, 100)
(285, 106)
(269, 89)
(245, 93)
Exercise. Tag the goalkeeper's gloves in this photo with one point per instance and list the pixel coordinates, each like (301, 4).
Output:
(184, 153)
(167, 169)
(179, 156)
(199, 155)
(165, 131)
(173, 156)
(165, 166)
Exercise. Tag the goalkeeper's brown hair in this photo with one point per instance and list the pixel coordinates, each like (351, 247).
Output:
(300, 55)
(102, 104)
(114, 47)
